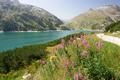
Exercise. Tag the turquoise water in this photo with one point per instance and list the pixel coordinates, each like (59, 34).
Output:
(12, 40)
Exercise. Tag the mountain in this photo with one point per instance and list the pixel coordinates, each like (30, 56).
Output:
(15, 16)
(114, 27)
(97, 18)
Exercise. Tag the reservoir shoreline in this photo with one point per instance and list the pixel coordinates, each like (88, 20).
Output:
(18, 39)
(13, 40)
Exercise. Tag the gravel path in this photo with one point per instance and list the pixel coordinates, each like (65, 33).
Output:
(111, 39)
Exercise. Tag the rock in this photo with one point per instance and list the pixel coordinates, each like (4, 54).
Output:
(27, 76)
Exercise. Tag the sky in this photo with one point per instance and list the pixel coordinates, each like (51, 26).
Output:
(67, 9)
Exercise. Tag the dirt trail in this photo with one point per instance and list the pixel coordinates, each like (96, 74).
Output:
(111, 39)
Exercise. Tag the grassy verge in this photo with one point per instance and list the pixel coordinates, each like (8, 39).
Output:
(113, 34)
(96, 60)
(13, 60)
(22, 57)
(73, 58)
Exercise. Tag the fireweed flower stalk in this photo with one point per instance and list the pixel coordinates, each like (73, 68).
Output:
(84, 54)
(84, 42)
(43, 62)
(61, 45)
(99, 44)
(66, 64)
(62, 41)
(79, 76)
(76, 76)
(74, 40)
(81, 37)
(71, 40)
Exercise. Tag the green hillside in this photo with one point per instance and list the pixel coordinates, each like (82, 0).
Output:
(97, 18)
(113, 27)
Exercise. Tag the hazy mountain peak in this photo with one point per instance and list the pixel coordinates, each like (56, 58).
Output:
(91, 9)
(109, 6)
(112, 5)
(97, 18)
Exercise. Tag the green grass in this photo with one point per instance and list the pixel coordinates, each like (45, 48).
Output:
(17, 75)
(99, 64)
(113, 27)
(115, 35)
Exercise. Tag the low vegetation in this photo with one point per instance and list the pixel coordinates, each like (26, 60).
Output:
(82, 59)
(113, 27)
(78, 57)
(114, 34)
(22, 57)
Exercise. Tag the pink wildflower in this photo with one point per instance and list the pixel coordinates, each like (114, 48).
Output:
(74, 42)
(43, 62)
(81, 37)
(85, 43)
(99, 44)
(71, 40)
(82, 77)
(61, 45)
(62, 41)
(84, 54)
(67, 64)
(76, 76)
(79, 76)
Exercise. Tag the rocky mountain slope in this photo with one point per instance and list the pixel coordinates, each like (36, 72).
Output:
(97, 18)
(15, 16)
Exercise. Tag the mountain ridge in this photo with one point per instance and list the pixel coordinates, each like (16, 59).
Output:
(96, 18)
(21, 17)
